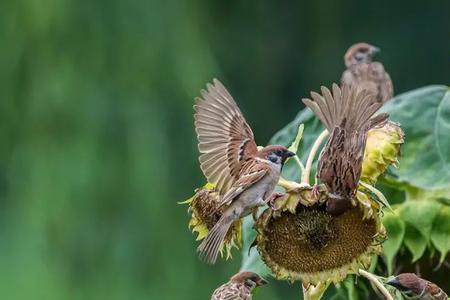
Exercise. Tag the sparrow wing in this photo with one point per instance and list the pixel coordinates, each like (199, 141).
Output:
(347, 115)
(225, 140)
(252, 172)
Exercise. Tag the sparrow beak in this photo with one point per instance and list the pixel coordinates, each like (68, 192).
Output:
(394, 282)
(374, 49)
(288, 154)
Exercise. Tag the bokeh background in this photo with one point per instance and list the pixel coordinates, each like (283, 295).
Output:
(97, 137)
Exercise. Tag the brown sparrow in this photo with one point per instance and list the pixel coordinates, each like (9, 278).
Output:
(347, 115)
(244, 176)
(365, 73)
(239, 287)
(414, 287)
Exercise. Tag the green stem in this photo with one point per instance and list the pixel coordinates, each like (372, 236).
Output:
(372, 278)
(312, 155)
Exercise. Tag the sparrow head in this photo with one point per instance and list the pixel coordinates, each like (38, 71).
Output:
(406, 282)
(250, 279)
(275, 153)
(360, 53)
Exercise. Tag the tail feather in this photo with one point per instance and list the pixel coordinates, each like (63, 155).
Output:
(348, 107)
(210, 246)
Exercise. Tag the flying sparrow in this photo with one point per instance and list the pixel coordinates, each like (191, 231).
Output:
(244, 176)
(239, 287)
(365, 73)
(414, 287)
(347, 115)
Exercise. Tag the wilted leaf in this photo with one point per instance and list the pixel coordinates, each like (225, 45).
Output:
(424, 115)
(440, 233)
(395, 228)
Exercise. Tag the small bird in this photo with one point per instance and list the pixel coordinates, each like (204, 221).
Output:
(365, 73)
(414, 287)
(239, 287)
(347, 115)
(244, 176)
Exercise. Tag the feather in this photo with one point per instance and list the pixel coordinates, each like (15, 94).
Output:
(225, 140)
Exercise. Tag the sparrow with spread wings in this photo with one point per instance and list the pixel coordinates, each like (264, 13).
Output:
(347, 115)
(239, 287)
(363, 72)
(244, 176)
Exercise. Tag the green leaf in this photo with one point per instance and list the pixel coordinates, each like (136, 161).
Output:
(415, 242)
(350, 286)
(440, 233)
(313, 127)
(420, 215)
(251, 261)
(395, 228)
(424, 115)
(294, 146)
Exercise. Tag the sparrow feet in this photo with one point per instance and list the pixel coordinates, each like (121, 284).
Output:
(271, 201)
(316, 191)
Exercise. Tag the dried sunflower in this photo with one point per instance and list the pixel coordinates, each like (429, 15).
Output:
(204, 215)
(382, 149)
(313, 246)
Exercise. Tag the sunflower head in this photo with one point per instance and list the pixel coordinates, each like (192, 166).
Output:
(204, 211)
(310, 245)
(382, 149)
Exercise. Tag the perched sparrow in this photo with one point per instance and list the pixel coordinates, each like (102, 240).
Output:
(361, 71)
(414, 287)
(347, 115)
(239, 287)
(244, 176)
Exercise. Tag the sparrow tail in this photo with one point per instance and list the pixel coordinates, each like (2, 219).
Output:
(210, 246)
(349, 108)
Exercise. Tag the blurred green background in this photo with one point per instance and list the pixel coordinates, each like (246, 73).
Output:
(97, 137)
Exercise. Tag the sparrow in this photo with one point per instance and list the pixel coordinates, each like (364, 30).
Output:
(347, 115)
(414, 287)
(363, 72)
(244, 176)
(239, 287)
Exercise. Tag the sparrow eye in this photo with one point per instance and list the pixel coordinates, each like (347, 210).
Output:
(278, 153)
(274, 158)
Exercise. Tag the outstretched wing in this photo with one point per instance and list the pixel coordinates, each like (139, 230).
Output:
(225, 140)
(347, 115)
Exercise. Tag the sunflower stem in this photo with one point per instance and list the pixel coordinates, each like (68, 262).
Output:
(314, 292)
(372, 278)
(312, 155)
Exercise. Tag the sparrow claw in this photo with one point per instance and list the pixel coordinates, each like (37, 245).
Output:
(273, 198)
(316, 191)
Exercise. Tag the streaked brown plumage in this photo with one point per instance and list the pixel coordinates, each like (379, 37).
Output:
(239, 287)
(365, 73)
(244, 176)
(414, 287)
(347, 115)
